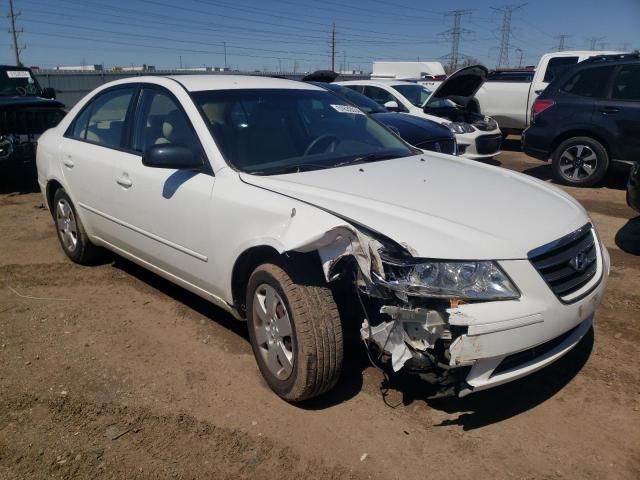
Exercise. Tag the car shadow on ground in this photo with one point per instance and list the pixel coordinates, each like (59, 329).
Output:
(628, 237)
(500, 403)
(19, 180)
(616, 179)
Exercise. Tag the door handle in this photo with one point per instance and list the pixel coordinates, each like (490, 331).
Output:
(124, 181)
(609, 110)
(68, 162)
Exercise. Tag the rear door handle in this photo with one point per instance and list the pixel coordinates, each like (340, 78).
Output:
(68, 162)
(124, 181)
(609, 110)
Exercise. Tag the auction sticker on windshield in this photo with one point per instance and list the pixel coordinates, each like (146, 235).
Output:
(18, 74)
(347, 109)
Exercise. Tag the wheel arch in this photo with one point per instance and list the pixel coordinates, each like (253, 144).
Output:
(53, 186)
(581, 133)
(257, 255)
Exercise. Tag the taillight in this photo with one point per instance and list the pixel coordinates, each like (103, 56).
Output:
(539, 106)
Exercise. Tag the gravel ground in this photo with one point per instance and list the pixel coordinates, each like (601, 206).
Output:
(112, 372)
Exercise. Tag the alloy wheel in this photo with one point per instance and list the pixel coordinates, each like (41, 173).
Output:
(67, 226)
(273, 331)
(578, 162)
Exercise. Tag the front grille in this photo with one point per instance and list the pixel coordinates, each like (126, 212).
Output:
(517, 359)
(488, 144)
(569, 263)
(29, 120)
(441, 145)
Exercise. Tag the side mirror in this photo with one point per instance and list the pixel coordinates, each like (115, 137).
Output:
(392, 106)
(49, 93)
(171, 155)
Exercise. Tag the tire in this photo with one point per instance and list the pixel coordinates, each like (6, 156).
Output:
(71, 233)
(312, 344)
(580, 162)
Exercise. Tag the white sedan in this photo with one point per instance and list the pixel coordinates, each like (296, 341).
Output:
(452, 103)
(290, 208)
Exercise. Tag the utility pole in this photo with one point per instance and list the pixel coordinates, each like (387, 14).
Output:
(333, 48)
(593, 41)
(507, 12)
(14, 33)
(561, 42)
(454, 34)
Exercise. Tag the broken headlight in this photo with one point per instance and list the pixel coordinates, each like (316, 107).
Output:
(460, 127)
(475, 281)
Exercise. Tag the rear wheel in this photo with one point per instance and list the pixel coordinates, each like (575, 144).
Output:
(71, 233)
(580, 162)
(295, 332)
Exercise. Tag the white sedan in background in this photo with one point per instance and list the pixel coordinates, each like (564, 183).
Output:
(452, 103)
(290, 208)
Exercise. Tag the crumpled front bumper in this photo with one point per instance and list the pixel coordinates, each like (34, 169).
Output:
(511, 339)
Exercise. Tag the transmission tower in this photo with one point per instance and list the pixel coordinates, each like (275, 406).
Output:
(333, 48)
(454, 34)
(12, 15)
(507, 12)
(593, 41)
(562, 40)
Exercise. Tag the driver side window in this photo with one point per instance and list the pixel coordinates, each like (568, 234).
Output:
(160, 120)
(378, 95)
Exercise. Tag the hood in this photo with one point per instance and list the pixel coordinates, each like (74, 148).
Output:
(463, 83)
(439, 206)
(20, 102)
(412, 129)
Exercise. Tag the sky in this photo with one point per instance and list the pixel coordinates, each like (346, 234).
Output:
(295, 35)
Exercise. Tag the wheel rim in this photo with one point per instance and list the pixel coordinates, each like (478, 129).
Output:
(273, 331)
(578, 162)
(67, 227)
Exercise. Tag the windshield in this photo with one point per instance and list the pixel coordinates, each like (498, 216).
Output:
(18, 82)
(271, 131)
(416, 94)
(359, 100)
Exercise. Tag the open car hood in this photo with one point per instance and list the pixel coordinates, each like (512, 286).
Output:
(463, 83)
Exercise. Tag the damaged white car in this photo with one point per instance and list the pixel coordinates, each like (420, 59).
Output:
(290, 208)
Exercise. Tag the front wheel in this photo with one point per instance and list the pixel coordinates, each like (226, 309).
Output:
(580, 162)
(295, 332)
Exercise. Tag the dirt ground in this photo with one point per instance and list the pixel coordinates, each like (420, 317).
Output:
(112, 372)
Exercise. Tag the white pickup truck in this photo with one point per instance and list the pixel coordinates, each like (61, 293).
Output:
(509, 101)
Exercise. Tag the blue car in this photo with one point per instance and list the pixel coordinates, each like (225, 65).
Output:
(419, 132)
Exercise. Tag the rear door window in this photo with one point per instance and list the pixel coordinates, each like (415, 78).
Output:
(557, 65)
(591, 82)
(108, 113)
(626, 85)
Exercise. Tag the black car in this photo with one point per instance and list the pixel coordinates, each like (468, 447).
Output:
(419, 132)
(26, 111)
(587, 118)
(633, 187)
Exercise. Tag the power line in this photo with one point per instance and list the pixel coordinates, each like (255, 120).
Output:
(562, 42)
(507, 12)
(454, 34)
(12, 15)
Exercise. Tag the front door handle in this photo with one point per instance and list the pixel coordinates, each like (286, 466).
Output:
(609, 110)
(124, 181)
(68, 162)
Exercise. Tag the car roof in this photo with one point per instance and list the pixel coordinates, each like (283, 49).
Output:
(197, 83)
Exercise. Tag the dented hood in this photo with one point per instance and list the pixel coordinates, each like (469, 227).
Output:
(439, 206)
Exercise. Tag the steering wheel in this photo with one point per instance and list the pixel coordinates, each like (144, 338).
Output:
(327, 140)
(21, 91)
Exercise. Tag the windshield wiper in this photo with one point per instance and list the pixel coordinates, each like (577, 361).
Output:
(371, 157)
(303, 167)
